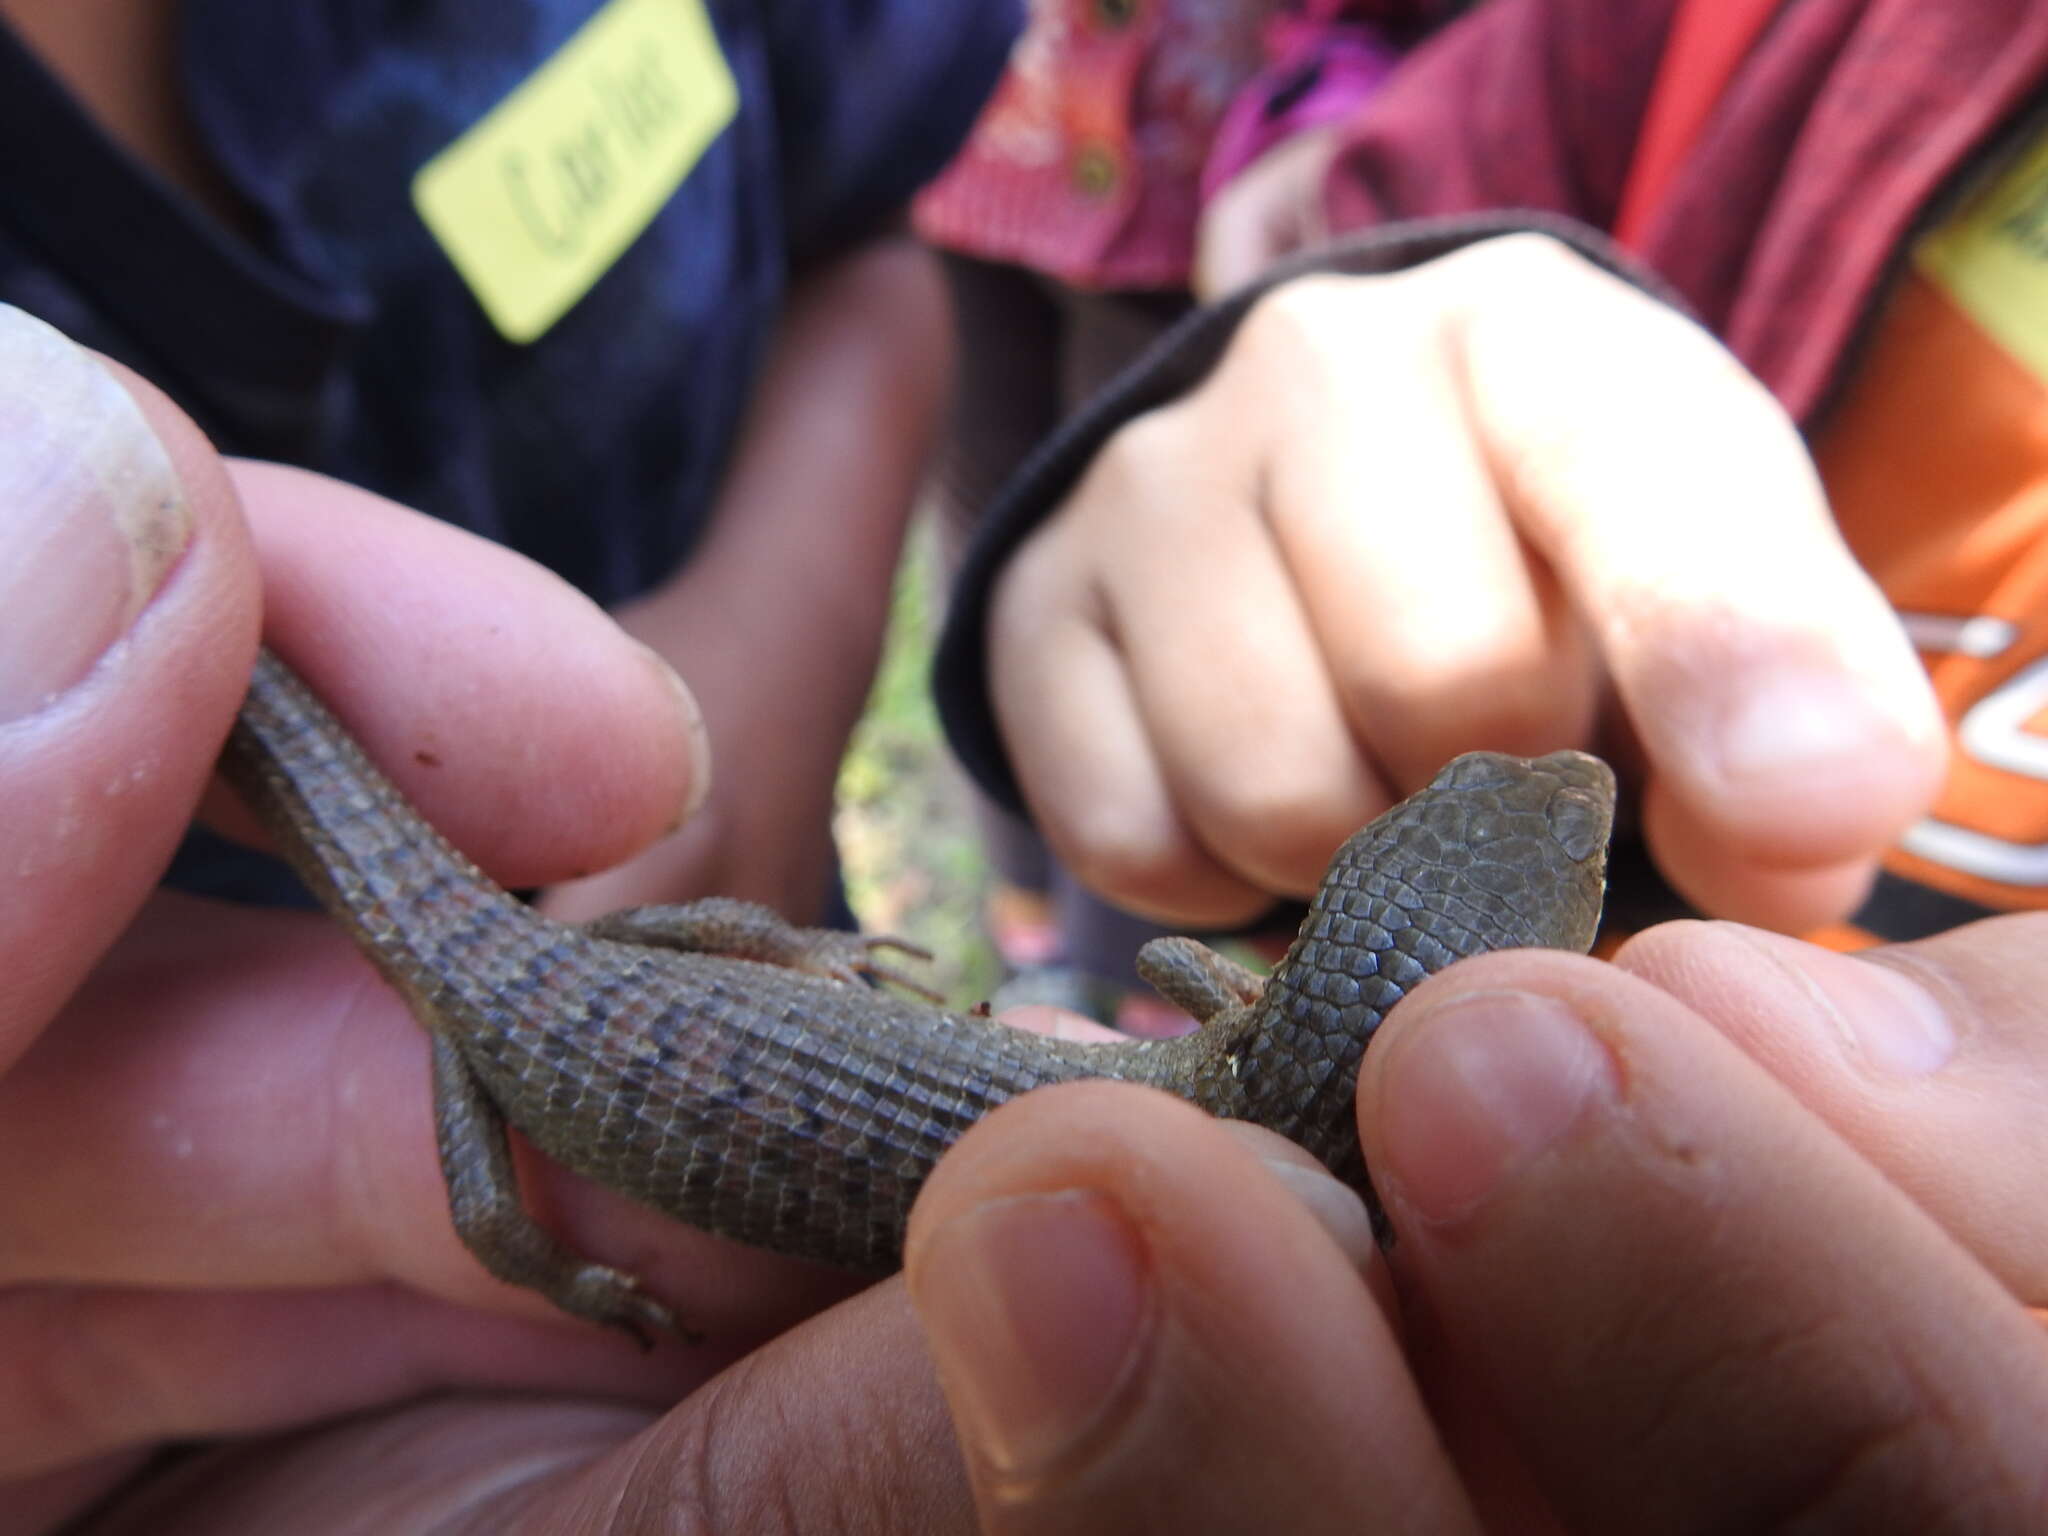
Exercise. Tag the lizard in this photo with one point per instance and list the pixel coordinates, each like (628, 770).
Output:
(741, 1074)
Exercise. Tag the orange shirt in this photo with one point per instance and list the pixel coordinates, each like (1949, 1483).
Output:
(1936, 462)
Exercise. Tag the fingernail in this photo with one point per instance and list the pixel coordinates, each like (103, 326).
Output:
(1884, 1016)
(92, 516)
(1335, 1206)
(1799, 719)
(1893, 1018)
(696, 738)
(1037, 1308)
(1476, 1088)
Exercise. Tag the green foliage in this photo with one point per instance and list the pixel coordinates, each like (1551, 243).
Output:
(907, 837)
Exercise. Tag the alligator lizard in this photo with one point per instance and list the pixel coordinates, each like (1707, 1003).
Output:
(738, 1073)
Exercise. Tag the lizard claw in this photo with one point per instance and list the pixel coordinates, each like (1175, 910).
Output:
(647, 1322)
(745, 930)
(896, 978)
(614, 1298)
(850, 957)
(901, 945)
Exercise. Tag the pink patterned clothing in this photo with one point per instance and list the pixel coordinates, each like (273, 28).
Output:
(1091, 162)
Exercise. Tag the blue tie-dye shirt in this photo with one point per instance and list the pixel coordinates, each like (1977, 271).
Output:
(340, 338)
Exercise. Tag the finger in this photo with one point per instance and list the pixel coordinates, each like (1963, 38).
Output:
(130, 605)
(1443, 633)
(423, 1468)
(1227, 689)
(1266, 210)
(835, 1426)
(91, 1372)
(236, 1101)
(1059, 1023)
(451, 657)
(1790, 729)
(1087, 768)
(1238, 236)
(1928, 1058)
(1694, 1306)
(1227, 672)
(1117, 1290)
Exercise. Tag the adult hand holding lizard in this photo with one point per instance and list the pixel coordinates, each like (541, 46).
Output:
(224, 1211)
(1498, 501)
(220, 1221)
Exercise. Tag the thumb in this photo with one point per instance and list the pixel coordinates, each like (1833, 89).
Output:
(1928, 1058)
(1117, 1290)
(1691, 1303)
(835, 1425)
(131, 603)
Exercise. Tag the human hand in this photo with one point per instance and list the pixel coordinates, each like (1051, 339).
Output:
(222, 1211)
(1500, 501)
(224, 1220)
(223, 1228)
(1271, 208)
(1732, 1234)
(1626, 1316)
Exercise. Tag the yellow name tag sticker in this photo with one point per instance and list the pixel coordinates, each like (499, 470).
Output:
(536, 201)
(1992, 258)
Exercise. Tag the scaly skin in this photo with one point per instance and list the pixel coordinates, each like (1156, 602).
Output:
(800, 1109)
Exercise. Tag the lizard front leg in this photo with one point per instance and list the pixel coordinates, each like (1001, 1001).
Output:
(1194, 977)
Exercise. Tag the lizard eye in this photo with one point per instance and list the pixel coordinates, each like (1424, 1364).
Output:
(1477, 770)
(1578, 821)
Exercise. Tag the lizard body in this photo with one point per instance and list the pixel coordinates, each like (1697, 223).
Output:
(801, 1112)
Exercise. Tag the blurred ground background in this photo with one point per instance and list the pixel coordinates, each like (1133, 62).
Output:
(905, 822)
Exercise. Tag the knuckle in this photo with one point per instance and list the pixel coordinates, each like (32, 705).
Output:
(1545, 257)
(1031, 587)
(1291, 326)
(1528, 286)
(1502, 675)
(1281, 826)
(696, 1468)
(1523, 270)
(1109, 854)
(1879, 1457)
(1861, 1481)
(1532, 292)
(1864, 1468)
(1169, 880)
(705, 1472)
(1522, 712)
(1137, 450)
(1133, 479)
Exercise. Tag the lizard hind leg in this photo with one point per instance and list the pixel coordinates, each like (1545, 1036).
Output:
(483, 1199)
(1194, 977)
(746, 930)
